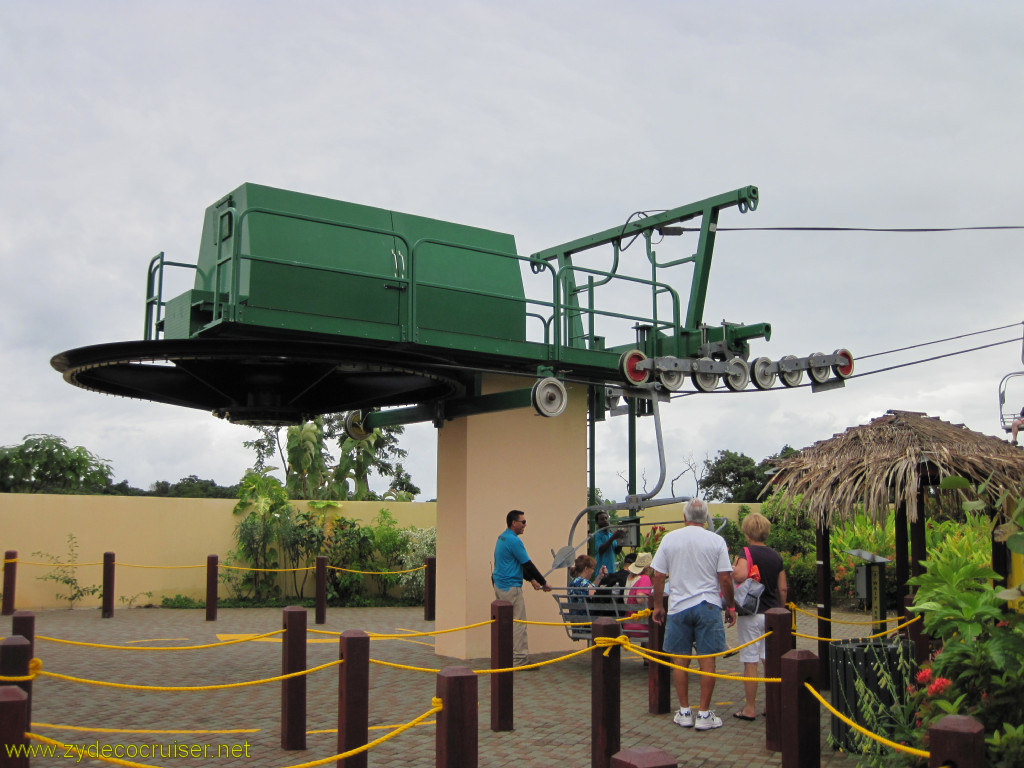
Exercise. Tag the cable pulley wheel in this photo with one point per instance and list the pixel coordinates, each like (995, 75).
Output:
(790, 378)
(737, 375)
(817, 372)
(705, 382)
(672, 380)
(627, 367)
(761, 374)
(549, 397)
(353, 426)
(843, 371)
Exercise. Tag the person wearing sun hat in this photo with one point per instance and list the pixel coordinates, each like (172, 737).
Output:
(638, 587)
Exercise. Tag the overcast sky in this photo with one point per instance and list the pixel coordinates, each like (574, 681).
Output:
(122, 121)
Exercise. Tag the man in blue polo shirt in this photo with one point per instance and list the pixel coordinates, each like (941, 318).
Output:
(511, 566)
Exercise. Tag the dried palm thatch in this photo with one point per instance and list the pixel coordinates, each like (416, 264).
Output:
(886, 460)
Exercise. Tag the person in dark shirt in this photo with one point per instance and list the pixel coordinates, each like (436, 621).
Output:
(756, 527)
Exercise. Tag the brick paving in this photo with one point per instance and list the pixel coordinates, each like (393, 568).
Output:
(552, 704)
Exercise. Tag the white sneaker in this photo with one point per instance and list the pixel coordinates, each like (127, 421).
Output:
(684, 718)
(707, 721)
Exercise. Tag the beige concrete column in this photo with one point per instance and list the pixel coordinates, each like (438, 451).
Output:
(487, 465)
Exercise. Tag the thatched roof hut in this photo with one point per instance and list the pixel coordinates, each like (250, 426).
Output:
(886, 460)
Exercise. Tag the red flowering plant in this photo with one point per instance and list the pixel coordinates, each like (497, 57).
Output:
(649, 541)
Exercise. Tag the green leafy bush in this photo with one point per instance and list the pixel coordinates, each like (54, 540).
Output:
(66, 574)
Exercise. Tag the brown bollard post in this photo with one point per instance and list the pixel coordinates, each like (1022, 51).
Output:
(212, 572)
(605, 696)
(778, 622)
(10, 578)
(502, 683)
(643, 757)
(23, 623)
(15, 654)
(429, 588)
(659, 677)
(293, 690)
(956, 740)
(801, 730)
(321, 590)
(457, 743)
(108, 585)
(915, 631)
(14, 721)
(353, 697)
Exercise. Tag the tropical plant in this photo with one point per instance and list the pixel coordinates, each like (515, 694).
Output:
(420, 543)
(265, 509)
(66, 574)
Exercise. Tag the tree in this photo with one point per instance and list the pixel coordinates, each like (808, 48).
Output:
(47, 464)
(735, 478)
(192, 487)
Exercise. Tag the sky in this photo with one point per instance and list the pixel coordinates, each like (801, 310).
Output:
(121, 122)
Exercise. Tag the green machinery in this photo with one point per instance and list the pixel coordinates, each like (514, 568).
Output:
(303, 305)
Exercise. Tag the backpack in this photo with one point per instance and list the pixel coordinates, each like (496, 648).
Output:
(748, 594)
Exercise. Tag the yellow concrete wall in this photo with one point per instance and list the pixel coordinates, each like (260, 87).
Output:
(139, 531)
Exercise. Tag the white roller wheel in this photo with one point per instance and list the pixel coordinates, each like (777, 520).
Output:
(760, 373)
(549, 397)
(737, 375)
(843, 371)
(790, 378)
(818, 372)
(353, 426)
(705, 382)
(672, 380)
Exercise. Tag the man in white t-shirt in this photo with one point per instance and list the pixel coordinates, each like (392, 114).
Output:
(696, 563)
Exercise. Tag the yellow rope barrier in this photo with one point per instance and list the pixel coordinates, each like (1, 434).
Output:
(726, 652)
(52, 565)
(160, 567)
(897, 628)
(57, 727)
(158, 647)
(863, 730)
(216, 687)
(377, 636)
(374, 573)
(793, 607)
(436, 706)
(264, 570)
(622, 640)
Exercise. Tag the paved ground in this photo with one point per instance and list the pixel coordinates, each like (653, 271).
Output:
(552, 716)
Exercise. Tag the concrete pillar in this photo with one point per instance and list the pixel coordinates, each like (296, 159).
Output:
(486, 465)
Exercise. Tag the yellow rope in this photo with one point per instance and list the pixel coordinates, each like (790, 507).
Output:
(793, 607)
(865, 731)
(436, 706)
(897, 628)
(376, 636)
(375, 573)
(160, 567)
(219, 686)
(536, 665)
(158, 647)
(52, 565)
(34, 665)
(137, 730)
(708, 655)
(264, 570)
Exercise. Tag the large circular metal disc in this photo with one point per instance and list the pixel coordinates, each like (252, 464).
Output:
(672, 380)
(843, 371)
(353, 426)
(790, 378)
(627, 367)
(762, 377)
(818, 373)
(705, 382)
(738, 375)
(549, 397)
(256, 381)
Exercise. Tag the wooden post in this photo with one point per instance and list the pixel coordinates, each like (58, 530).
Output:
(801, 730)
(212, 571)
(23, 623)
(643, 757)
(457, 741)
(824, 587)
(429, 588)
(915, 632)
(605, 696)
(15, 654)
(956, 740)
(321, 590)
(779, 623)
(502, 683)
(10, 579)
(108, 585)
(353, 696)
(659, 677)
(902, 557)
(13, 724)
(293, 690)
